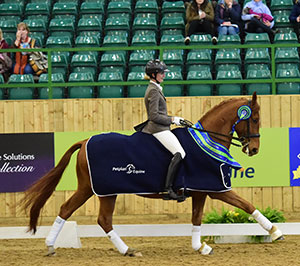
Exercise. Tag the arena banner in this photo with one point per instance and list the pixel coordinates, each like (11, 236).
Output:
(294, 156)
(24, 158)
(270, 167)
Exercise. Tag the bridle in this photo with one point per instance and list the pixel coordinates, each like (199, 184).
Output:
(244, 113)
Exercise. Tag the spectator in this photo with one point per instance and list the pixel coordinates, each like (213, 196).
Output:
(228, 17)
(200, 19)
(255, 14)
(23, 41)
(295, 17)
(5, 60)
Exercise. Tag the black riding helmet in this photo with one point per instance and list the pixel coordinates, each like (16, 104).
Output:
(155, 66)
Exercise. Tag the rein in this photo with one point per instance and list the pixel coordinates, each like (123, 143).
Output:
(189, 124)
(244, 113)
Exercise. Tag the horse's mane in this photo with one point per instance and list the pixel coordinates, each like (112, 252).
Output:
(221, 104)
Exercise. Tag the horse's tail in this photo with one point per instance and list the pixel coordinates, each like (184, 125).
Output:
(38, 194)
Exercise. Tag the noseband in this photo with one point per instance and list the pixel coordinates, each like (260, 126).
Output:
(244, 113)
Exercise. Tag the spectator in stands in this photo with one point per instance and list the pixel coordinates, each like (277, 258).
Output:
(158, 123)
(295, 17)
(23, 41)
(5, 60)
(258, 18)
(228, 17)
(200, 19)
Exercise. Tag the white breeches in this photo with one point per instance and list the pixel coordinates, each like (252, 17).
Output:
(170, 142)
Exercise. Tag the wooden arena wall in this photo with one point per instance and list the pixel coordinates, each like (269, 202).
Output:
(72, 115)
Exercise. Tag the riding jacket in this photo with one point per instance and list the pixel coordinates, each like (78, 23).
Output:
(156, 106)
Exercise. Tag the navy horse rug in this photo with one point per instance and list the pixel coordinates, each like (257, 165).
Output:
(138, 164)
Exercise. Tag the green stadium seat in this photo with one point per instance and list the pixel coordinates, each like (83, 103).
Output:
(136, 90)
(172, 23)
(9, 26)
(228, 56)
(37, 9)
(229, 89)
(282, 21)
(59, 64)
(286, 55)
(288, 87)
(117, 24)
(200, 67)
(91, 8)
(89, 24)
(13, 9)
(257, 56)
(290, 37)
(199, 56)
(115, 40)
(288, 66)
(257, 38)
(67, 8)
(173, 7)
(39, 38)
(281, 5)
(81, 91)
(57, 92)
(45, 18)
(173, 57)
(113, 59)
(110, 69)
(140, 58)
(199, 89)
(260, 88)
(119, 7)
(228, 67)
(62, 27)
(87, 41)
(60, 42)
(20, 93)
(143, 40)
(144, 23)
(85, 60)
(146, 7)
(257, 66)
(198, 39)
(229, 39)
(110, 91)
(173, 90)
(172, 40)
(36, 25)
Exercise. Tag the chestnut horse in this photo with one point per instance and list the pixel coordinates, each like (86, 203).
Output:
(222, 120)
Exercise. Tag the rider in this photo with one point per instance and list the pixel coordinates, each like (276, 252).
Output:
(158, 123)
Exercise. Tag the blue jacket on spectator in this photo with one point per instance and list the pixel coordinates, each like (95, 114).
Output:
(295, 12)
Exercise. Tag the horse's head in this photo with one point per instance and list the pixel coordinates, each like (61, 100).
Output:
(248, 127)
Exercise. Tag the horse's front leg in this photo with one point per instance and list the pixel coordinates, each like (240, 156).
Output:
(107, 206)
(198, 201)
(234, 199)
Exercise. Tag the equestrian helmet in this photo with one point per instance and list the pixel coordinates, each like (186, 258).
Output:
(155, 66)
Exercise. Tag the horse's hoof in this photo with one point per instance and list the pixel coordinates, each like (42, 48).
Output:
(51, 252)
(206, 249)
(276, 234)
(133, 253)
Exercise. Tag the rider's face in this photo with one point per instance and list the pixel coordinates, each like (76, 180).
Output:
(160, 77)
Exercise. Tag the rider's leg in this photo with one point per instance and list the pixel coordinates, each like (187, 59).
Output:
(171, 143)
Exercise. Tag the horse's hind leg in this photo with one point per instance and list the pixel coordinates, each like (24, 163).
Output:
(234, 199)
(83, 193)
(107, 206)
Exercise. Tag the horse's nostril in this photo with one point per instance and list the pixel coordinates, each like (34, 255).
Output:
(254, 150)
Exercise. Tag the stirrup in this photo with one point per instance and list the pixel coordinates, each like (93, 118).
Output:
(171, 195)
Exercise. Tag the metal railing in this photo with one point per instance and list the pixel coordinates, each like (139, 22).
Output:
(273, 80)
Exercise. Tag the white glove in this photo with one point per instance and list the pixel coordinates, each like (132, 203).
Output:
(176, 120)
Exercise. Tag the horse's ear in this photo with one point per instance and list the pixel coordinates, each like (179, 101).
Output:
(254, 98)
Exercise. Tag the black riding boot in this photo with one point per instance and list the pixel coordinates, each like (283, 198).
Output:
(172, 171)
